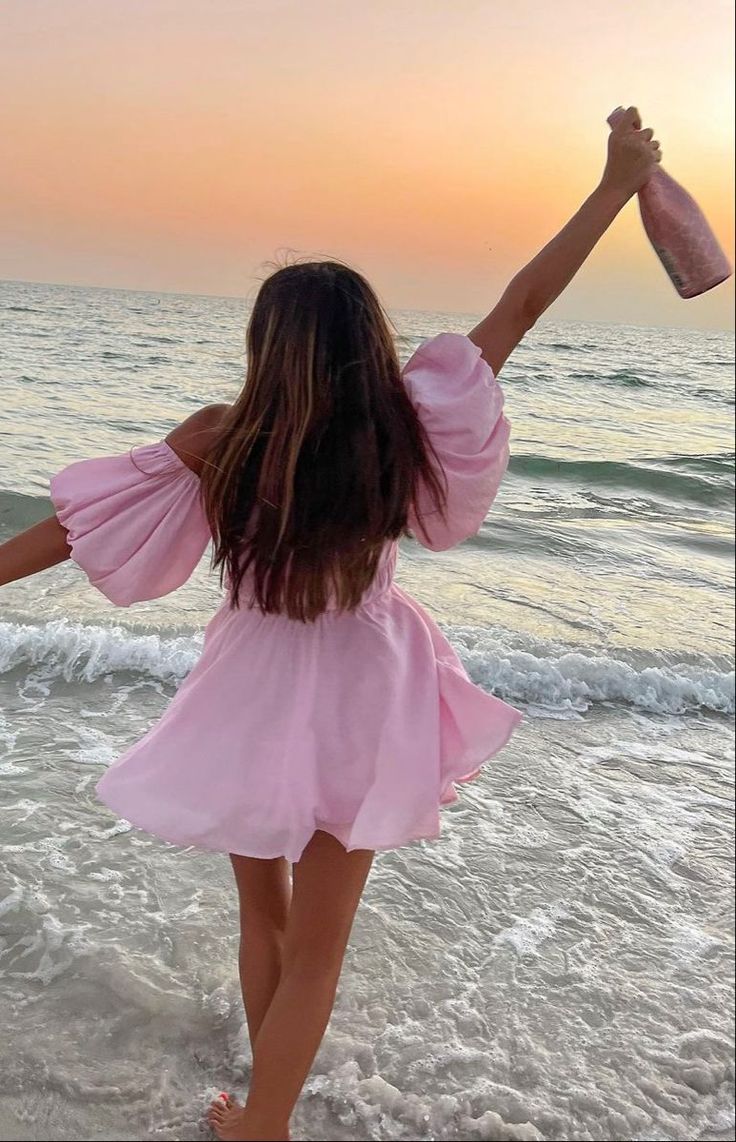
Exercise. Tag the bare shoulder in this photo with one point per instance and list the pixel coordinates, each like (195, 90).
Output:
(193, 438)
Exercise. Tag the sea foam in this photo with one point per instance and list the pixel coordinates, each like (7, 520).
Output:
(546, 677)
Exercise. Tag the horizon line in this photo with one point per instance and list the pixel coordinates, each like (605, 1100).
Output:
(392, 309)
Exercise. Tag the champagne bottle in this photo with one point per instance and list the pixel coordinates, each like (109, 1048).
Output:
(679, 232)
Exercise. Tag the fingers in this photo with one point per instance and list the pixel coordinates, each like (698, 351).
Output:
(630, 120)
(647, 136)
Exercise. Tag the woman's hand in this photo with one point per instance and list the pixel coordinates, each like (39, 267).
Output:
(633, 154)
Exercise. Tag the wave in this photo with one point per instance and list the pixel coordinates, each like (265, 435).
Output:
(86, 653)
(580, 347)
(547, 676)
(716, 463)
(574, 678)
(620, 377)
(706, 480)
(631, 380)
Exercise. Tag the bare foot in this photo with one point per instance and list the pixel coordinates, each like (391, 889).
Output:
(225, 1116)
(230, 1123)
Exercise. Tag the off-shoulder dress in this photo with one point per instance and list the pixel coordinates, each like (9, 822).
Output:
(360, 723)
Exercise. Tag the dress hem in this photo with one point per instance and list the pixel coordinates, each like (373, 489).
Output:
(448, 796)
(319, 827)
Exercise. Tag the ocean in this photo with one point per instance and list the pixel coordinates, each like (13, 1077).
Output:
(558, 966)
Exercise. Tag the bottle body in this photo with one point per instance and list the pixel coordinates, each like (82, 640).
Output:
(679, 232)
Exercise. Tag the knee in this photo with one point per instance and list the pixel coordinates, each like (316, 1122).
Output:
(313, 975)
(317, 959)
(263, 925)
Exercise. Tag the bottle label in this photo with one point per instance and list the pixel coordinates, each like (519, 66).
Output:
(669, 264)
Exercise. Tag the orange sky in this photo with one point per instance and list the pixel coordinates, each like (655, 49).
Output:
(435, 144)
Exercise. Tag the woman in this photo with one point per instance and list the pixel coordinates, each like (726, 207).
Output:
(327, 717)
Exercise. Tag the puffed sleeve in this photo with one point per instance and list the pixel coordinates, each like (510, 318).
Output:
(136, 523)
(460, 404)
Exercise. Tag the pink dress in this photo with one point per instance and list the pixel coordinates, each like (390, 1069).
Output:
(360, 723)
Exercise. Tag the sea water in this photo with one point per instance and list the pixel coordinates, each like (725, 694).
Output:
(556, 967)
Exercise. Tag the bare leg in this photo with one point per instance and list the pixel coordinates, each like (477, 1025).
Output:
(264, 890)
(328, 882)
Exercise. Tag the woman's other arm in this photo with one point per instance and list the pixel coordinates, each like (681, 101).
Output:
(41, 546)
(45, 544)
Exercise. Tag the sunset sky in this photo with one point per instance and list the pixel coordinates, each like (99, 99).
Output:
(435, 144)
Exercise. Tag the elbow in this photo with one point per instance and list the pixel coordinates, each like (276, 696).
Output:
(528, 306)
(531, 311)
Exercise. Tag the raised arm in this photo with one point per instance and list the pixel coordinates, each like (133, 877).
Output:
(632, 155)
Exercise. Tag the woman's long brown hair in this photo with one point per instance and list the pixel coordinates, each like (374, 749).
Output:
(319, 459)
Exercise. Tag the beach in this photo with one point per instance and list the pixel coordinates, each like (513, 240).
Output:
(559, 964)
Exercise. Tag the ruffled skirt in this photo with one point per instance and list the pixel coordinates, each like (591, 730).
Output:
(358, 724)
